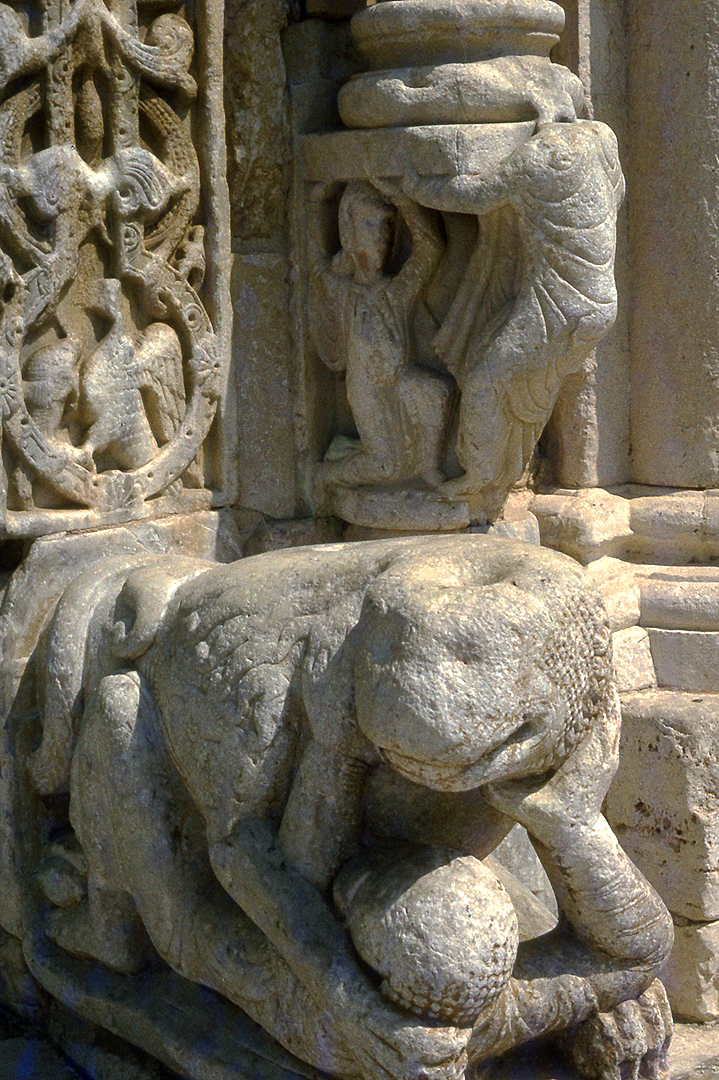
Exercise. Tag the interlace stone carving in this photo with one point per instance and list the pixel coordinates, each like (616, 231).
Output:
(112, 218)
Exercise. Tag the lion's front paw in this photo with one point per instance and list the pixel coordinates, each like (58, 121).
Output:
(628, 1043)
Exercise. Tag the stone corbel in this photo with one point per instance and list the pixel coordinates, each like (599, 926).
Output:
(451, 367)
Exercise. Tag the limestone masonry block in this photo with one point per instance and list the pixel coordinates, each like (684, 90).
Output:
(686, 659)
(633, 667)
(679, 597)
(585, 524)
(618, 587)
(665, 515)
(675, 526)
(265, 461)
(436, 150)
(664, 801)
(691, 976)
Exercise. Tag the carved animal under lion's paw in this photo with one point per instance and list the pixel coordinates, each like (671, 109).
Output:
(630, 1041)
(438, 926)
(245, 729)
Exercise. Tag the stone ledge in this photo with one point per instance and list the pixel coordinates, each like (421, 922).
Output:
(686, 659)
(431, 150)
(641, 524)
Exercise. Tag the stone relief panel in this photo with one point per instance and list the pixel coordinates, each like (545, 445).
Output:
(272, 790)
(113, 219)
(517, 195)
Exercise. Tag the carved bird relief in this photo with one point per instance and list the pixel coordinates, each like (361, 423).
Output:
(132, 390)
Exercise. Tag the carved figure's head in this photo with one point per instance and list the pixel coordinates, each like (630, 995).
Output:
(486, 669)
(366, 225)
(51, 376)
(173, 36)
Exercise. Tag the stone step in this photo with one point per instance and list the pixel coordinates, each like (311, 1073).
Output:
(641, 524)
(679, 597)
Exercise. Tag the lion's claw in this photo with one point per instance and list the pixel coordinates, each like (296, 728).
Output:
(628, 1043)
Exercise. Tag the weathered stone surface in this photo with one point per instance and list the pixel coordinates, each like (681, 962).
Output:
(438, 927)
(633, 661)
(662, 527)
(228, 735)
(260, 399)
(618, 585)
(306, 696)
(421, 33)
(672, 522)
(115, 239)
(319, 56)
(686, 659)
(585, 524)
(508, 89)
(445, 326)
(663, 802)
(671, 94)
(400, 409)
(257, 122)
(516, 854)
(693, 1053)
(27, 599)
(691, 974)
(679, 598)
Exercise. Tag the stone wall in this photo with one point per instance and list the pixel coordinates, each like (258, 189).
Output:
(273, 276)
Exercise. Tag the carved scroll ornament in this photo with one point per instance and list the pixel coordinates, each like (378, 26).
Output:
(110, 362)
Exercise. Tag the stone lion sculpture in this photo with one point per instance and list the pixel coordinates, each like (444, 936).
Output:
(285, 774)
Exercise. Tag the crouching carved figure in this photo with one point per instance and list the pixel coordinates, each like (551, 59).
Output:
(302, 759)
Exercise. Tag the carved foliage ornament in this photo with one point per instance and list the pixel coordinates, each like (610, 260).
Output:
(110, 363)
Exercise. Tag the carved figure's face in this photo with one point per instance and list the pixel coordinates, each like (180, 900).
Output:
(365, 225)
(455, 703)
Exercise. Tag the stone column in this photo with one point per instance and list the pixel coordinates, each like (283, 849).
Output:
(673, 197)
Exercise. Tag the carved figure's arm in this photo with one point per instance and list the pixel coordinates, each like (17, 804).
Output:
(467, 194)
(317, 195)
(327, 292)
(427, 242)
(326, 289)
